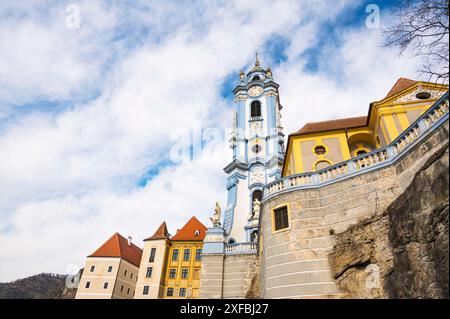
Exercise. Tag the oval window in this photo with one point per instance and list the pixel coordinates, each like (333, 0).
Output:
(320, 150)
(423, 95)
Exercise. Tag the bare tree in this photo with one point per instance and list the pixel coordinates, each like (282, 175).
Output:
(423, 27)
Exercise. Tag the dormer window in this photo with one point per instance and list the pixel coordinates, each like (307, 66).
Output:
(196, 233)
(255, 109)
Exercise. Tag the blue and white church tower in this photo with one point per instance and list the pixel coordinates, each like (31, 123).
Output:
(257, 141)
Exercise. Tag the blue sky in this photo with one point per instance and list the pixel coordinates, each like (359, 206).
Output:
(89, 115)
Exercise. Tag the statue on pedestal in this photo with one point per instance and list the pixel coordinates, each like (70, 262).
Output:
(256, 208)
(215, 220)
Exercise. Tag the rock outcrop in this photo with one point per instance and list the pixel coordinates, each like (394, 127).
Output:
(401, 252)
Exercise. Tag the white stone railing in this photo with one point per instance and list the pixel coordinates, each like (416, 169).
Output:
(241, 248)
(360, 164)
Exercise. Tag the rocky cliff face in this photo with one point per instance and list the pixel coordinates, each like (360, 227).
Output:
(41, 286)
(403, 251)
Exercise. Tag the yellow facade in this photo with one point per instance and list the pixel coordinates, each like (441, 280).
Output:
(386, 120)
(177, 267)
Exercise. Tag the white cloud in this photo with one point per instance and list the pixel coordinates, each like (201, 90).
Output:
(68, 179)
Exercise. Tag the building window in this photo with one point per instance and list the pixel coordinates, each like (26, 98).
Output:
(198, 255)
(320, 150)
(255, 109)
(92, 268)
(423, 95)
(145, 291)
(152, 255)
(197, 273)
(256, 78)
(281, 220)
(184, 273)
(169, 292)
(121, 289)
(105, 285)
(128, 291)
(187, 255)
(125, 273)
(88, 284)
(131, 277)
(197, 233)
(149, 272)
(231, 241)
(175, 255)
(109, 268)
(182, 292)
(172, 273)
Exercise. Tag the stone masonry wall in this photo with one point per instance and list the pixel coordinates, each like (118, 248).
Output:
(239, 270)
(294, 262)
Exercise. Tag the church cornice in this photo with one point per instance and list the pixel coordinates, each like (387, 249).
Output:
(235, 164)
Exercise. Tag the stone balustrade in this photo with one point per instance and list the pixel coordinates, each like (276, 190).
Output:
(427, 122)
(241, 248)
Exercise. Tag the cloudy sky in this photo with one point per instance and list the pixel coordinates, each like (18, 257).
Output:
(91, 108)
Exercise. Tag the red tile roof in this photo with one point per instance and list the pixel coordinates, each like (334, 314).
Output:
(187, 232)
(117, 246)
(161, 233)
(400, 85)
(332, 125)
(315, 127)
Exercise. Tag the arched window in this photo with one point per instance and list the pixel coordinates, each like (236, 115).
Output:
(256, 78)
(321, 165)
(231, 241)
(255, 109)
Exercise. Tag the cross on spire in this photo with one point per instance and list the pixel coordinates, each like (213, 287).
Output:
(256, 59)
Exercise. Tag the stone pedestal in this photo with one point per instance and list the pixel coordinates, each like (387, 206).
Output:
(213, 253)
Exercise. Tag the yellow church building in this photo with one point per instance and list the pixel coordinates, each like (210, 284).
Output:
(322, 144)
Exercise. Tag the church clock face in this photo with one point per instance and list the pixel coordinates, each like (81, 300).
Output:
(255, 91)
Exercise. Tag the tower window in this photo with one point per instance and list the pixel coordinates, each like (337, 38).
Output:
(88, 284)
(256, 148)
(152, 255)
(255, 109)
(281, 220)
(256, 78)
(149, 272)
